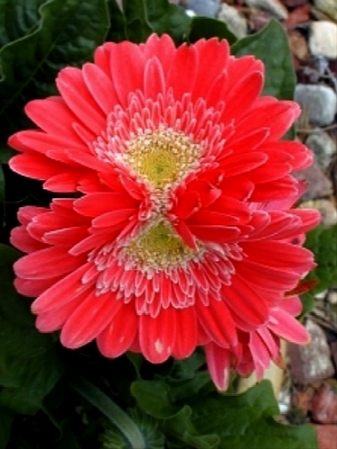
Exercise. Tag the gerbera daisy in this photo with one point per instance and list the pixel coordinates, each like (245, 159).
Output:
(176, 227)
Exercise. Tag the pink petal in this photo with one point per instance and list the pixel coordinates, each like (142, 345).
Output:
(219, 365)
(287, 327)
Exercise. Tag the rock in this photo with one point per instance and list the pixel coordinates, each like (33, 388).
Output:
(333, 348)
(234, 20)
(318, 185)
(311, 363)
(298, 45)
(298, 16)
(323, 147)
(323, 39)
(331, 297)
(259, 19)
(329, 7)
(275, 7)
(302, 398)
(318, 102)
(294, 3)
(326, 208)
(327, 435)
(324, 405)
(209, 8)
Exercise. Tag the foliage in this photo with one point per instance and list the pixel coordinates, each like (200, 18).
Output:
(80, 400)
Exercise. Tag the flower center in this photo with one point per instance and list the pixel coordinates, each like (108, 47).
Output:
(158, 247)
(162, 157)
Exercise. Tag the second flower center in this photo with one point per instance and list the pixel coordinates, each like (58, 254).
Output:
(159, 248)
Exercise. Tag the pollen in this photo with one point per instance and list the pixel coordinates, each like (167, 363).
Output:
(158, 247)
(162, 157)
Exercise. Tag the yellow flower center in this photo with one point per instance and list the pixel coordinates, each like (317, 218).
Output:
(158, 247)
(162, 157)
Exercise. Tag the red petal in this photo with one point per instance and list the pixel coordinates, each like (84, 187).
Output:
(120, 334)
(245, 302)
(186, 333)
(154, 81)
(157, 336)
(61, 292)
(217, 323)
(40, 112)
(96, 204)
(183, 70)
(100, 87)
(71, 85)
(89, 319)
(46, 263)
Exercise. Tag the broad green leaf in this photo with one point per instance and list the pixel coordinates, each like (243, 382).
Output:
(29, 364)
(164, 17)
(206, 27)
(247, 421)
(5, 154)
(180, 431)
(154, 398)
(67, 33)
(271, 46)
(6, 418)
(322, 242)
(140, 18)
(18, 18)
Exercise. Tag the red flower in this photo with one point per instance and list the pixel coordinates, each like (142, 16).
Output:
(181, 230)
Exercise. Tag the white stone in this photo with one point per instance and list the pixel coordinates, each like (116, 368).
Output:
(274, 7)
(323, 39)
(236, 23)
(329, 7)
(318, 103)
(322, 145)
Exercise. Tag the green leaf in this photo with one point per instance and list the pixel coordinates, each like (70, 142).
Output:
(66, 33)
(140, 18)
(6, 418)
(271, 46)
(247, 421)
(180, 429)
(164, 17)
(322, 242)
(111, 410)
(18, 18)
(2, 197)
(154, 398)
(112, 438)
(29, 365)
(206, 27)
